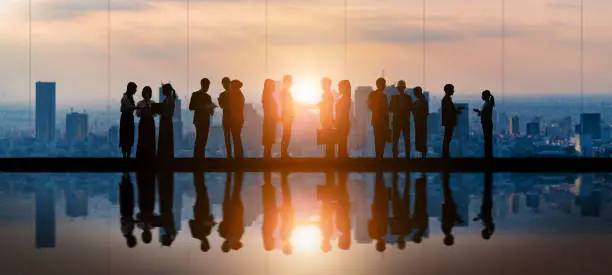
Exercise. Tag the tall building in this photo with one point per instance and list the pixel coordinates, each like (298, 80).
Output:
(503, 123)
(76, 127)
(591, 125)
(113, 135)
(77, 203)
(45, 111)
(565, 126)
(514, 125)
(252, 130)
(533, 129)
(361, 125)
(434, 123)
(45, 217)
(462, 130)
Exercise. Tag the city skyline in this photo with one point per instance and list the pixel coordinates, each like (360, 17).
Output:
(306, 40)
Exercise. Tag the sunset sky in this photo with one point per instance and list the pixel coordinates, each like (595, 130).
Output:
(306, 38)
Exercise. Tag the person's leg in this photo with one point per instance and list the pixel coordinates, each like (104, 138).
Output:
(197, 147)
(407, 145)
(343, 147)
(286, 139)
(205, 133)
(448, 135)
(380, 138)
(488, 142)
(397, 129)
(267, 151)
(237, 138)
(228, 143)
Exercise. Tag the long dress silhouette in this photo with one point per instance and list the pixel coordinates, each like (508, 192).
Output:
(145, 179)
(420, 110)
(165, 146)
(126, 206)
(270, 117)
(145, 149)
(126, 124)
(270, 212)
(420, 216)
(166, 198)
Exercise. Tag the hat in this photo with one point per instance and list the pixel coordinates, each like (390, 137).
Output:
(401, 83)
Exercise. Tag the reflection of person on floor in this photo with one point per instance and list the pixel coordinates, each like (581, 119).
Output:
(166, 197)
(401, 223)
(377, 225)
(270, 212)
(421, 217)
(450, 217)
(126, 206)
(203, 221)
(326, 196)
(343, 212)
(146, 203)
(237, 225)
(486, 209)
(286, 215)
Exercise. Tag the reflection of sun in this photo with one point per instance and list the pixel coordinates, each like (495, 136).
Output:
(306, 237)
(306, 90)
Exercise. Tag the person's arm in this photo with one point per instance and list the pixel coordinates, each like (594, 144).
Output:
(192, 102)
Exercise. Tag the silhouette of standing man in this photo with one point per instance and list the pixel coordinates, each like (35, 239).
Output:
(377, 103)
(223, 100)
(287, 114)
(201, 104)
(326, 115)
(232, 103)
(343, 118)
(449, 118)
(401, 106)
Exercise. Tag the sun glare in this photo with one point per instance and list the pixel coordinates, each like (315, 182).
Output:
(306, 238)
(306, 91)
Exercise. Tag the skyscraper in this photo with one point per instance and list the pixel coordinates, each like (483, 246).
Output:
(76, 127)
(45, 217)
(463, 122)
(45, 111)
(533, 129)
(113, 135)
(503, 123)
(591, 125)
(361, 124)
(434, 123)
(514, 125)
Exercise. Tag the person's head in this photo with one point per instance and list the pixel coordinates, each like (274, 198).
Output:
(449, 89)
(287, 81)
(236, 85)
(401, 86)
(146, 236)
(401, 243)
(345, 88)
(225, 247)
(344, 242)
(131, 88)
(449, 239)
(226, 82)
(147, 92)
(204, 84)
(167, 89)
(326, 84)
(418, 92)
(381, 83)
(269, 87)
(130, 241)
(488, 97)
(381, 246)
(204, 245)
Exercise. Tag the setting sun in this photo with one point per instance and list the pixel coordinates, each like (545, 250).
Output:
(306, 90)
(306, 238)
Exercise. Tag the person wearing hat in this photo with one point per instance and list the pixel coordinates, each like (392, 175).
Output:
(232, 103)
(377, 103)
(401, 106)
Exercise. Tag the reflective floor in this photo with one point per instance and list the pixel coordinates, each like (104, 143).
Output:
(305, 223)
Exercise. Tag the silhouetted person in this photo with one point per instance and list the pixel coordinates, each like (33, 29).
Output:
(401, 106)
(450, 217)
(165, 145)
(223, 100)
(449, 118)
(486, 209)
(270, 212)
(237, 214)
(225, 224)
(126, 206)
(343, 118)
(270, 117)
(126, 124)
(486, 119)
(203, 221)
(420, 217)
(401, 222)
(203, 107)
(343, 212)
(377, 225)
(146, 202)
(232, 103)
(287, 215)
(378, 105)
(326, 116)
(145, 149)
(287, 114)
(325, 194)
(420, 110)
(166, 197)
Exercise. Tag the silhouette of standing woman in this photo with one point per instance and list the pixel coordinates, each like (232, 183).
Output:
(326, 116)
(165, 146)
(126, 125)
(145, 149)
(343, 117)
(287, 114)
(270, 117)
(486, 119)
(223, 100)
(420, 109)
(449, 118)
(379, 106)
